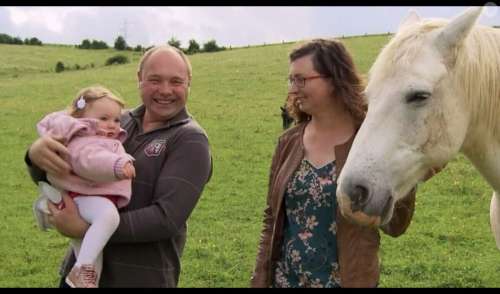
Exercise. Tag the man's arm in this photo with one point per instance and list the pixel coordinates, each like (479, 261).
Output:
(35, 172)
(46, 155)
(67, 221)
(177, 190)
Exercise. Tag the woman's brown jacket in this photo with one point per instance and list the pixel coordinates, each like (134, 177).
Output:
(357, 246)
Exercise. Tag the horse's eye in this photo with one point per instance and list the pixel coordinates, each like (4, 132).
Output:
(417, 97)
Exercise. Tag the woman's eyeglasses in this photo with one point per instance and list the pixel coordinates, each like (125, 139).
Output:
(300, 81)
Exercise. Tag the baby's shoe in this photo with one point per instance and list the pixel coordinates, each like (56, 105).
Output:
(41, 213)
(40, 209)
(52, 193)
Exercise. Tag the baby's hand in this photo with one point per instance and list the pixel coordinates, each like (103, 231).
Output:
(100, 132)
(129, 170)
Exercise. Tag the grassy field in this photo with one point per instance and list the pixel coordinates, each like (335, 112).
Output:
(235, 95)
(21, 60)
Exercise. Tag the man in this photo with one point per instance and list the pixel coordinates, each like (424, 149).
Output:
(173, 164)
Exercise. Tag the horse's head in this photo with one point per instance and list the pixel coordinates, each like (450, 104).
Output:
(416, 118)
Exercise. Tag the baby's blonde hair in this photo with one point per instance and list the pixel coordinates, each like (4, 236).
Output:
(89, 95)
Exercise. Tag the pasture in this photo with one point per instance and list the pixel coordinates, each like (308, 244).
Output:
(235, 95)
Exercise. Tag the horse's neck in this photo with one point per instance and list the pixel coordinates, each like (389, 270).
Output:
(483, 150)
(477, 77)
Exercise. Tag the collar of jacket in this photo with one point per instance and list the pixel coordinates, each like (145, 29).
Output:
(341, 151)
(180, 118)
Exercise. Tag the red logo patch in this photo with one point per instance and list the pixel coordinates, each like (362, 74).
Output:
(155, 148)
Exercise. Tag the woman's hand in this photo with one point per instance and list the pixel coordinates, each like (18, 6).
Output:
(67, 220)
(47, 153)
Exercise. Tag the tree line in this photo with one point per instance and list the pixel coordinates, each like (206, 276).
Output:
(7, 39)
(120, 44)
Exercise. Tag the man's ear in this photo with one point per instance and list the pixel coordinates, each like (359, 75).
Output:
(139, 79)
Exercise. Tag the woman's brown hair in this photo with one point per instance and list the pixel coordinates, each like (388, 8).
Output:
(331, 59)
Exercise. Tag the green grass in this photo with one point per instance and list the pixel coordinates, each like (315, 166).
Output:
(21, 60)
(235, 95)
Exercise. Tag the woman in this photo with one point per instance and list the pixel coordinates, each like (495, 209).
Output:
(305, 241)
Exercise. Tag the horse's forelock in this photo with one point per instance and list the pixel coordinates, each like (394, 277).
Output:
(404, 46)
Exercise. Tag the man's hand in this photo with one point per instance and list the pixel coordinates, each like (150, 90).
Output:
(47, 153)
(67, 220)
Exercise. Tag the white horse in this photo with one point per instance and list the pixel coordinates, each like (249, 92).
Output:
(433, 91)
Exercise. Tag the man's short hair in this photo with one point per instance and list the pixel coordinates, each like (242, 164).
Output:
(153, 49)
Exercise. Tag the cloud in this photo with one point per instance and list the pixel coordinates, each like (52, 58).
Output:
(239, 26)
(5, 23)
(235, 26)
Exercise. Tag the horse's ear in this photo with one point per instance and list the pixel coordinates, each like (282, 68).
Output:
(410, 19)
(453, 34)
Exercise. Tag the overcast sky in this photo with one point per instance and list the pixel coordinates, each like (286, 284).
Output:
(235, 26)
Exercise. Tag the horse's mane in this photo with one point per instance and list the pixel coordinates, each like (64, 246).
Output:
(476, 71)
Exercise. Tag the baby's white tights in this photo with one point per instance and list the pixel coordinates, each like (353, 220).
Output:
(104, 219)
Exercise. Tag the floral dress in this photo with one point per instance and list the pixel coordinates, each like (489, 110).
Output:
(309, 250)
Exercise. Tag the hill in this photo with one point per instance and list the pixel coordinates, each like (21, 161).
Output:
(236, 96)
(20, 60)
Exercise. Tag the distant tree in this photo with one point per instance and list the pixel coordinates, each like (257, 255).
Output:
(59, 66)
(17, 41)
(174, 43)
(193, 47)
(35, 41)
(99, 45)
(5, 39)
(138, 48)
(85, 44)
(26, 41)
(95, 44)
(211, 46)
(120, 43)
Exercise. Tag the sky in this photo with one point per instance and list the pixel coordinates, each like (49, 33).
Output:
(234, 26)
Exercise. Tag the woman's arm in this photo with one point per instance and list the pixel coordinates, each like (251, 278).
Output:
(259, 277)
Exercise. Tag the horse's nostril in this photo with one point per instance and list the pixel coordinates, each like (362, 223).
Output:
(359, 197)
